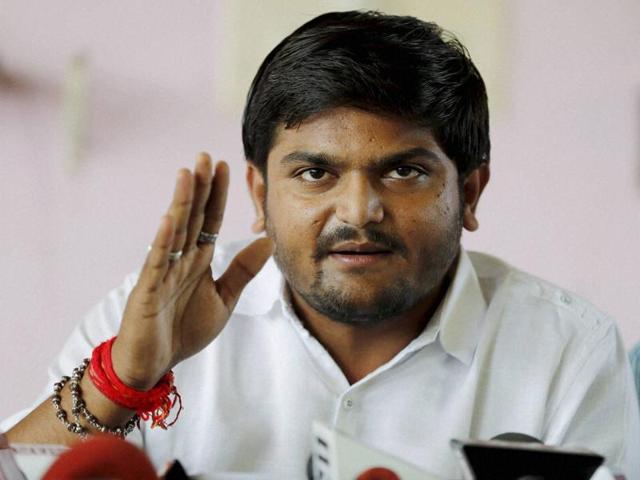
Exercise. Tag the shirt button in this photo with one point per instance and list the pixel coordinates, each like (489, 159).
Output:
(566, 299)
(347, 404)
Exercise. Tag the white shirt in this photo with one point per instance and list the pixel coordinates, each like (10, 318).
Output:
(504, 352)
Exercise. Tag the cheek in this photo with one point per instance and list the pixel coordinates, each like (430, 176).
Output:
(426, 219)
(451, 203)
(293, 222)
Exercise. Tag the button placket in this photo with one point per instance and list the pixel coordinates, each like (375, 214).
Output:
(346, 413)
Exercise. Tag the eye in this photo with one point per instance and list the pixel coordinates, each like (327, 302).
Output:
(313, 174)
(404, 173)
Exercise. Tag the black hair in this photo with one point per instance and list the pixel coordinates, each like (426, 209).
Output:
(392, 65)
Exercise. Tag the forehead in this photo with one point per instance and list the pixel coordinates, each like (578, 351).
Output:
(353, 135)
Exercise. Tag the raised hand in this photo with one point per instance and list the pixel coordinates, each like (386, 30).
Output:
(176, 308)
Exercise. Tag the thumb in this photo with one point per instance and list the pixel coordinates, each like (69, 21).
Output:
(245, 265)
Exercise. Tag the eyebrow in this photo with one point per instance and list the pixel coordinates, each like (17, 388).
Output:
(387, 161)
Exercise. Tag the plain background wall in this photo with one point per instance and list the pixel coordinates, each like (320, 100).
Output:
(563, 201)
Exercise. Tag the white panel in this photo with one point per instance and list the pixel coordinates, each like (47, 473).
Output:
(250, 30)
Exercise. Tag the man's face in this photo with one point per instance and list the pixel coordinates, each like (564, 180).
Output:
(365, 212)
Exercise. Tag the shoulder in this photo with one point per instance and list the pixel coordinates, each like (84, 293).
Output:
(538, 307)
(540, 337)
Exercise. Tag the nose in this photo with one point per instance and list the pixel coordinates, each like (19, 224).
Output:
(358, 203)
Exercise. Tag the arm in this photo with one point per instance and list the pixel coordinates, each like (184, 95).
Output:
(175, 309)
(42, 426)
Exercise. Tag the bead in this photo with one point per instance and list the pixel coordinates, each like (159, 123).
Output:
(78, 407)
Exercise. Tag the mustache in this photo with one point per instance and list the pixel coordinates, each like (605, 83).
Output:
(327, 241)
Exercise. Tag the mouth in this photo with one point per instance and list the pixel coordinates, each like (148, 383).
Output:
(359, 254)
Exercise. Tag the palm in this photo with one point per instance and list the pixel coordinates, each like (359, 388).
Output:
(204, 315)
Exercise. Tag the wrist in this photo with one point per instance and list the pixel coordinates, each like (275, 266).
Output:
(134, 373)
(153, 404)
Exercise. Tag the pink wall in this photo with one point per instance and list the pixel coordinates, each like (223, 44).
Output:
(565, 198)
(563, 202)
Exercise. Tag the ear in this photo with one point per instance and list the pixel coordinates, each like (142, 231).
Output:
(258, 191)
(471, 190)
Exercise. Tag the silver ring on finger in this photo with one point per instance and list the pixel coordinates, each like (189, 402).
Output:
(205, 237)
(175, 256)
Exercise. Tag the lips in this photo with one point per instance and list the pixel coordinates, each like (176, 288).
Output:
(352, 248)
(351, 254)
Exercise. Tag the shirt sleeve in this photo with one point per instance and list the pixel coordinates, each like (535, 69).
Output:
(600, 406)
(101, 323)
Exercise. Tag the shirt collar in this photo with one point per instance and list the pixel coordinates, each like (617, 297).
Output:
(461, 312)
(456, 321)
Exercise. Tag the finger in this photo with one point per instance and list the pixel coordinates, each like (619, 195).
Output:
(245, 265)
(202, 188)
(180, 208)
(214, 210)
(157, 262)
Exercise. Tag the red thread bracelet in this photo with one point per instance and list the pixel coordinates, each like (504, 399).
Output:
(154, 404)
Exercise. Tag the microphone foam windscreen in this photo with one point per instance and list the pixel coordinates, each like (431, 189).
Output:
(103, 456)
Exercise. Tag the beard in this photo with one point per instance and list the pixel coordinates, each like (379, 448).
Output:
(406, 290)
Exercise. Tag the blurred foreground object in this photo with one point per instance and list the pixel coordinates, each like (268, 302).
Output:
(634, 358)
(75, 116)
(336, 456)
(103, 457)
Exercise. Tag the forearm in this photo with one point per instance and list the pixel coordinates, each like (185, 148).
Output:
(42, 425)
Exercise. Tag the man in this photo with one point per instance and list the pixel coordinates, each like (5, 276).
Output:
(367, 143)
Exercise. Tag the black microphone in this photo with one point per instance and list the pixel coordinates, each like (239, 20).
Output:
(530, 460)
(516, 437)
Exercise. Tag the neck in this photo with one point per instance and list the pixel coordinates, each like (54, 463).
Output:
(360, 349)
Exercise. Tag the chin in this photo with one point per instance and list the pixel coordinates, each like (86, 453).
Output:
(349, 305)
